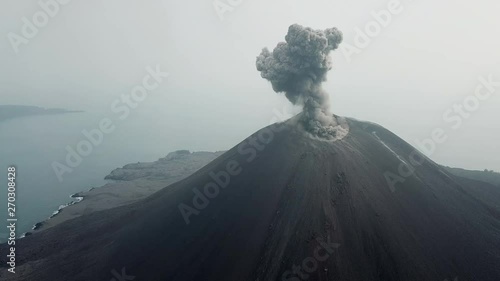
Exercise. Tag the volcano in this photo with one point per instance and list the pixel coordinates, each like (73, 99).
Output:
(294, 207)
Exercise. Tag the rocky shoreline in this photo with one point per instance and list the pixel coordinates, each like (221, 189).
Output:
(130, 183)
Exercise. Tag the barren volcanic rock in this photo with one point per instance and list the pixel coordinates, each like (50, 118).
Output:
(296, 208)
(133, 182)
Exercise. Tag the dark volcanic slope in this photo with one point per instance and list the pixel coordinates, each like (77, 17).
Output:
(295, 193)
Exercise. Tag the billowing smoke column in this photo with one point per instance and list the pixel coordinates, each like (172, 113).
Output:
(298, 67)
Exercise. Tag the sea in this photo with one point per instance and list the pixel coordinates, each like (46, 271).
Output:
(33, 144)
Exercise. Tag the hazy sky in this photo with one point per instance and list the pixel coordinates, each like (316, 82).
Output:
(426, 59)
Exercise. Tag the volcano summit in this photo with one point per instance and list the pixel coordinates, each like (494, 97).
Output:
(298, 67)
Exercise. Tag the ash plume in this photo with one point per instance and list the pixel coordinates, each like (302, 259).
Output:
(298, 67)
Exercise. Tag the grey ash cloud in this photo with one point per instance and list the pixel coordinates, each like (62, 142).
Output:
(298, 67)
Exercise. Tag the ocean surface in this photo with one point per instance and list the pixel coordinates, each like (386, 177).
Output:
(32, 144)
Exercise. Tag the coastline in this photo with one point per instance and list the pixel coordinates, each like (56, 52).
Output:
(9, 112)
(130, 183)
(76, 199)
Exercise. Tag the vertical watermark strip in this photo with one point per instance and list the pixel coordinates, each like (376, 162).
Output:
(11, 220)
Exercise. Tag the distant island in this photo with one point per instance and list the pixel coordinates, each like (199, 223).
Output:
(16, 111)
